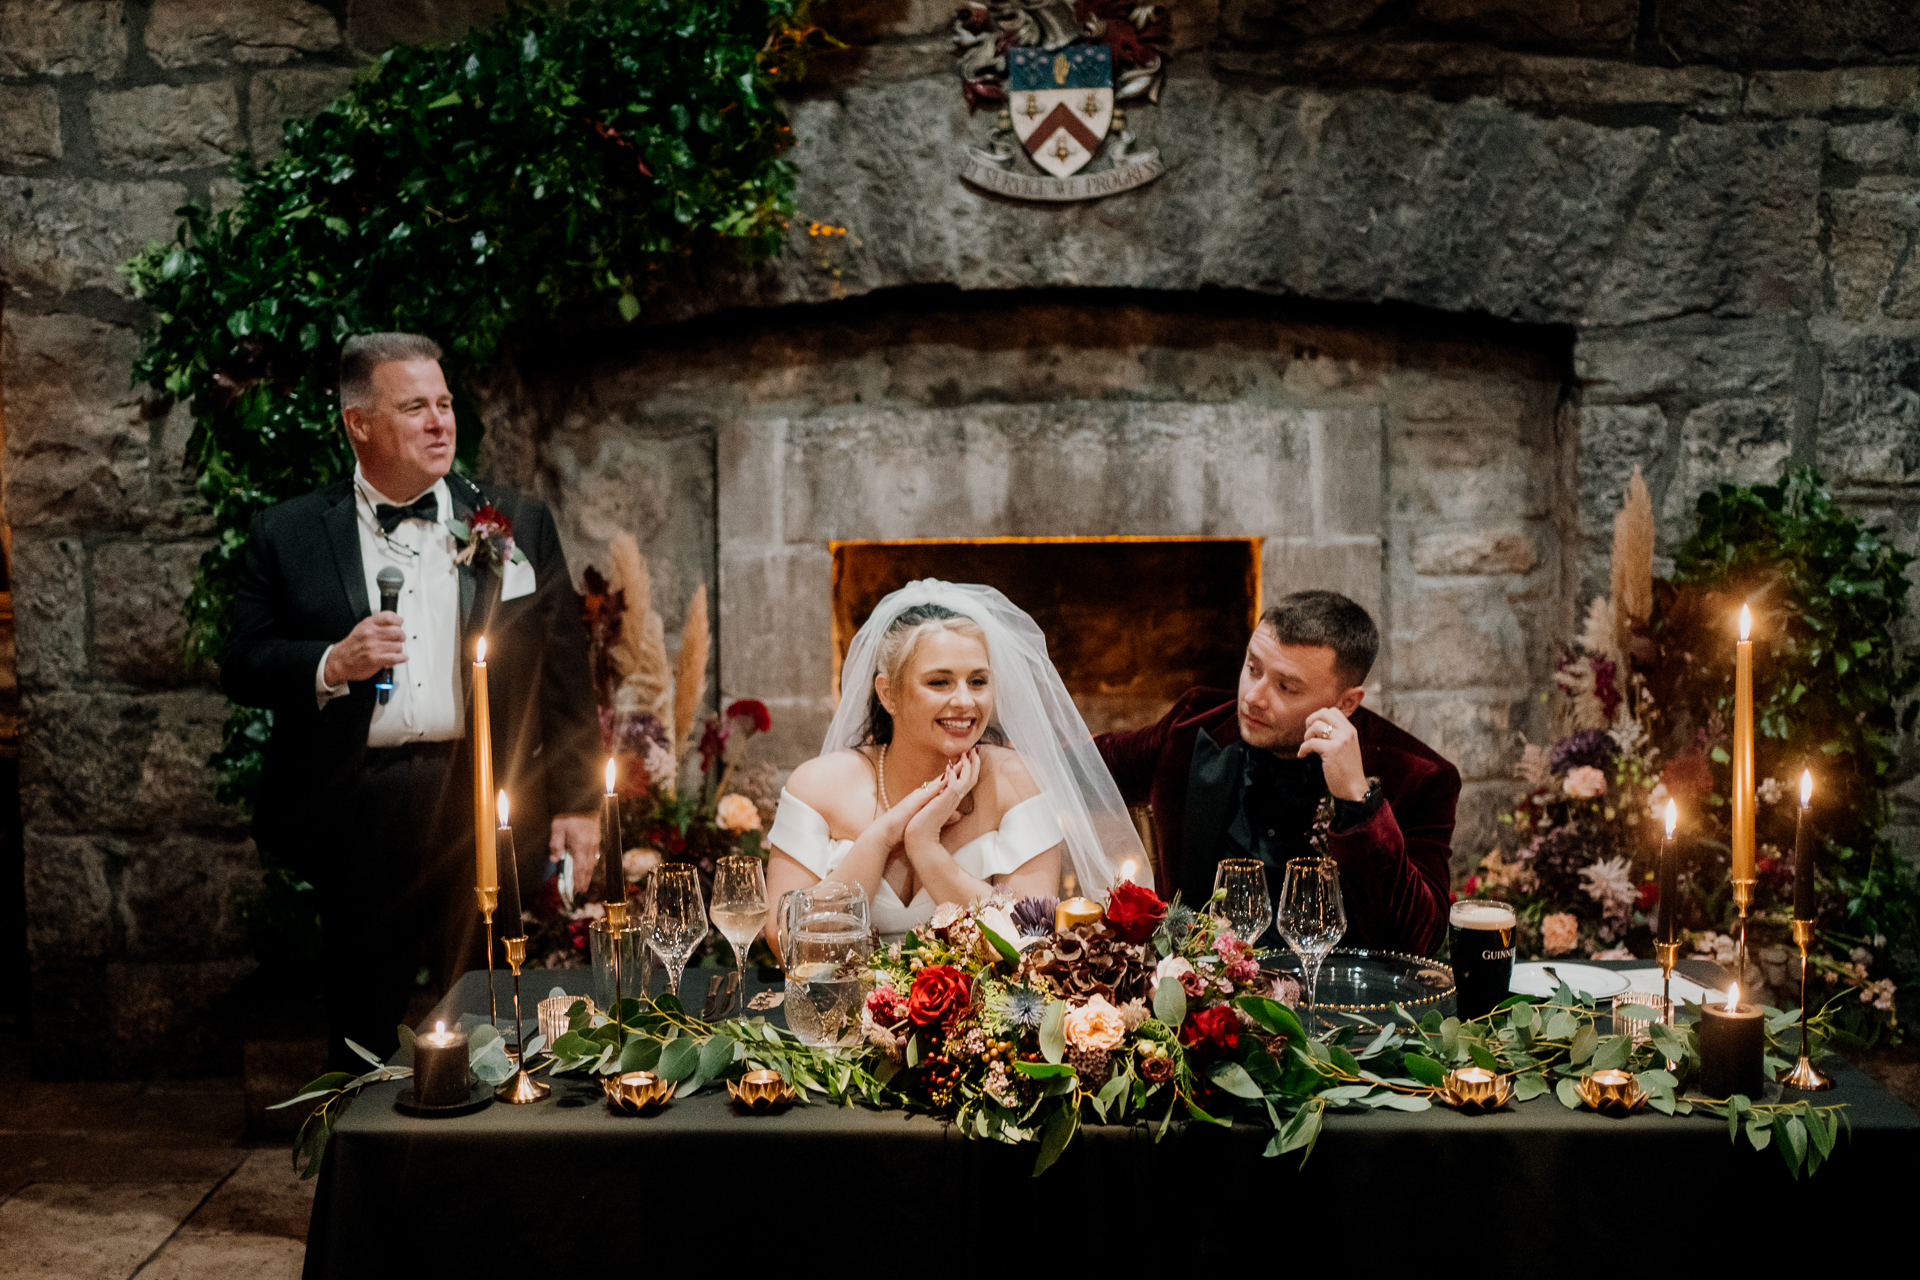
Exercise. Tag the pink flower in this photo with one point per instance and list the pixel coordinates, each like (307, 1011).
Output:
(1177, 968)
(886, 1006)
(1584, 782)
(1559, 933)
(1095, 1026)
(1241, 966)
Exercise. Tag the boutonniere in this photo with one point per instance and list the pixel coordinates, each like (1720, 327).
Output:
(485, 540)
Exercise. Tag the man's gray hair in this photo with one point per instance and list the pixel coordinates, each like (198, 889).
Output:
(366, 352)
(1327, 619)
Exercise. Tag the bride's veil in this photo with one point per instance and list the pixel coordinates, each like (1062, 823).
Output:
(1031, 707)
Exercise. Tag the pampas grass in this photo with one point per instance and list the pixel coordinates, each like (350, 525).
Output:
(690, 670)
(1632, 585)
(640, 655)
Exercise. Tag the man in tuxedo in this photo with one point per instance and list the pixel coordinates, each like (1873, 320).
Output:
(372, 800)
(1243, 777)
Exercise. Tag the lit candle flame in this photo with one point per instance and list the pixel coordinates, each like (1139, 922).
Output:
(1126, 869)
(1806, 787)
(612, 769)
(1733, 997)
(1746, 622)
(501, 804)
(1673, 818)
(480, 652)
(439, 1028)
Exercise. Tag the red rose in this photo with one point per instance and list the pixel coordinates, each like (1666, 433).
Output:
(1211, 1032)
(1133, 913)
(939, 993)
(1649, 896)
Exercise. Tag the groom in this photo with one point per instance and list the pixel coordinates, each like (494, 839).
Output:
(1242, 777)
(368, 792)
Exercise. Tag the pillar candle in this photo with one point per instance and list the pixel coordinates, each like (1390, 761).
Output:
(1732, 1045)
(1802, 854)
(1743, 750)
(440, 1067)
(610, 842)
(485, 857)
(1669, 879)
(509, 877)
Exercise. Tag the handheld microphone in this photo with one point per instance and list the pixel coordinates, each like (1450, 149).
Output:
(390, 580)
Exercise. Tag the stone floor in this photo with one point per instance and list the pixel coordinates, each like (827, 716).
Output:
(154, 1180)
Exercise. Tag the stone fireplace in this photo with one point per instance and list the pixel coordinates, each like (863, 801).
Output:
(1131, 622)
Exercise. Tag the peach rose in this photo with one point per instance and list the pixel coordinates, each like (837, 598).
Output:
(737, 813)
(636, 863)
(1558, 933)
(1584, 782)
(1096, 1025)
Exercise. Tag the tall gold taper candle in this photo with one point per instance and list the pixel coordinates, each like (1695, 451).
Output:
(1743, 750)
(484, 854)
(1743, 781)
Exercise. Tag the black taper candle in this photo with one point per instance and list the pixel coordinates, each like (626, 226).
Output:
(509, 875)
(1803, 855)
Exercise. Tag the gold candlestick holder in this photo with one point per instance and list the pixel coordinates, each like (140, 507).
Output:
(1804, 1075)
(521, 1087)
(616, 927)
(1742, 898)
(1668, 954)
(489, 903)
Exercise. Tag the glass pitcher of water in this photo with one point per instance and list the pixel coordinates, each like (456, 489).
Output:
(825, 935)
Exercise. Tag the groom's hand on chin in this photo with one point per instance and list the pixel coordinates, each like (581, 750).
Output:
(1332, 737)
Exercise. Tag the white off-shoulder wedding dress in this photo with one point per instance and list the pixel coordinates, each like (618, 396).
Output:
(1028, 829)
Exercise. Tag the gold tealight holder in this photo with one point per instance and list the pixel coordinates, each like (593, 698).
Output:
(1611, 1093)
(1073, 911)
(1476, 1090)
(636, 1092)
(762, 1091)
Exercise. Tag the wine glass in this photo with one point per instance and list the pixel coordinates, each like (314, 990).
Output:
(676, 918)
(1312, 916)
(1247, 908)
(740, 906)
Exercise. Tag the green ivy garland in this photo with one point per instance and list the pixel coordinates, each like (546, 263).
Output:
(554, 157)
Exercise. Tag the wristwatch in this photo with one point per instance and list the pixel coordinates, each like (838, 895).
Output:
(1348, 814)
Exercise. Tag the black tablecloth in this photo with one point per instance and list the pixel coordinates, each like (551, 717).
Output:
(562, 1182)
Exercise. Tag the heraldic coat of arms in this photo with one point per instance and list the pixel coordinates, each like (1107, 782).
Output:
(1061, 74)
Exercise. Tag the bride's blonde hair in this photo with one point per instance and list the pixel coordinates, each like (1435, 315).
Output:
(897, 645)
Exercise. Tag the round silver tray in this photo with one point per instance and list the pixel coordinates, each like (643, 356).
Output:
(1358, 980)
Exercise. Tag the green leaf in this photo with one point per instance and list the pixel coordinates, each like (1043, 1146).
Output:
(913, 1050)
(1425, 1070)
(679, 1059)
(1008, 952)
(375, 1059)
(1170, 1003)
(1758, 1134)
(1233, 1077)
(1585, 1041)
(1529, 1085)
(1612, 1053)
(1044, 1070)
(452, 100)
(1481, 1055)
(1562, 1025)
(1270, 1014)
(1568, 1093)
(629, 311)
(1055, 1135)
(716, 1055)
(1053, 1032)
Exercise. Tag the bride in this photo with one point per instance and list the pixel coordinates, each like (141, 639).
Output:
(956, 767)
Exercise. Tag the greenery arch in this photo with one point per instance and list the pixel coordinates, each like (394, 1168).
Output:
(557, 156)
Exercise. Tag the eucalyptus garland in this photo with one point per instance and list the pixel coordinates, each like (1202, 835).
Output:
(557, 156)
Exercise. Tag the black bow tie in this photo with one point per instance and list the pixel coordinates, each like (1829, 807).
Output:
(425, 507)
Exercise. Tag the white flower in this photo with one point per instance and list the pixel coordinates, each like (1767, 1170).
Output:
(1770, 790)
(945, 915)
(997, 919)
(636, 863)
(1610, 883)
(1860, 955)
(1175, 967)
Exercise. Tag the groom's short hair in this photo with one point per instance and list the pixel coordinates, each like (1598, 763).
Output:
(1327, 619)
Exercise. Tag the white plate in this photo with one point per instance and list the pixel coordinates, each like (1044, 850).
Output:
(1530, 979)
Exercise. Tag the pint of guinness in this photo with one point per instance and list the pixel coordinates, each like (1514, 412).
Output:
(1480, 938)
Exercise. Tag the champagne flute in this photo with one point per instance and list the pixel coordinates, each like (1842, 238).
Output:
(740, 906)
(1246, 907)
(1312, 916)
(676, 918)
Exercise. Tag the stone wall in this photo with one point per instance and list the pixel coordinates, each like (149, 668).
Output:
(1713, 202)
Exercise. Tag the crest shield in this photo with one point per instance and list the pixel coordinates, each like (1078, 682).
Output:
(1061, 101)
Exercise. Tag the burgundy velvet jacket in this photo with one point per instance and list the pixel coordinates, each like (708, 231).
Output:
(1393, 867)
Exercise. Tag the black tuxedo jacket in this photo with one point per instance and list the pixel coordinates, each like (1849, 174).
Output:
(1393, 866)
(303, 586)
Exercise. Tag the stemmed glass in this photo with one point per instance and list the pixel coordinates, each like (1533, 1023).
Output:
(1312, 916)
(1247, 907)
(740, 906)
(676, 918)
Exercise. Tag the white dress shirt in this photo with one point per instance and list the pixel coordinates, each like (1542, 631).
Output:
(426, 705)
